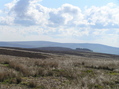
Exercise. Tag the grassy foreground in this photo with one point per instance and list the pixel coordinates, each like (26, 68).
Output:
(59, 72)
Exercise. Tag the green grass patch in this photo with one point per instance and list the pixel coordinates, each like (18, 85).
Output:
(7, 81)
(98, 86)
(113, 73)
(88, 71)
(16, 80)
(7, 65)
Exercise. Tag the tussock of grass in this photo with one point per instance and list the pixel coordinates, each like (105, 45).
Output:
(32, 84)
(58, 72)
(46, 64)
(7, 73)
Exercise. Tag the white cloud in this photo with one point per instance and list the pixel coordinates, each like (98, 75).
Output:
(66, 15)
(67, 21)
(103, 17)
(0, 11)
(27, 12)
(6, 20)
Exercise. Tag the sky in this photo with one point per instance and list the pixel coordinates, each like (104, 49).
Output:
(65, 21)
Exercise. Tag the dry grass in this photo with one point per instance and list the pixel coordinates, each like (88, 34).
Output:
(59, 72)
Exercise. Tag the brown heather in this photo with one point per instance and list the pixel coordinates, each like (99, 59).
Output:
(59, 72)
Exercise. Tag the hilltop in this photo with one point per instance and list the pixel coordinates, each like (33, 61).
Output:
(36, 44)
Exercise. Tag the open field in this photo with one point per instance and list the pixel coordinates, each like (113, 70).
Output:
(25, 69)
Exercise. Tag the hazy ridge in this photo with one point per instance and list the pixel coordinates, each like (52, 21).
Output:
(35, 44)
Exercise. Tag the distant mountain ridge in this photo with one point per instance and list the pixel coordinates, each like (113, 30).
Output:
(54, 49)
(36, 44)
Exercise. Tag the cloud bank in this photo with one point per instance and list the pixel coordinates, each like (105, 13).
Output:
(90, 25)
(30, 12)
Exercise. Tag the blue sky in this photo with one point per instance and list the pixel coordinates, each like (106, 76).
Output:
(66, 21)
(58, 3)
(79, 3)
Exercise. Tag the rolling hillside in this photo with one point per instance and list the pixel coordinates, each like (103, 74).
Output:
(22, 68)
(35, 44)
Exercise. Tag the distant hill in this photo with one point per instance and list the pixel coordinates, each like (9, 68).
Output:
(40, 52)
(36, 44)
(63, 49)
(84, 50)
(54, 49)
